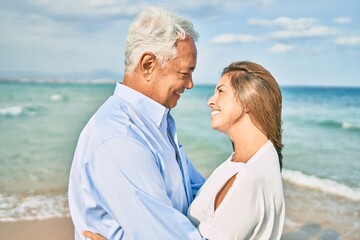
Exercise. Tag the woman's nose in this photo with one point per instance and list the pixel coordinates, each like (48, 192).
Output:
(210, 101)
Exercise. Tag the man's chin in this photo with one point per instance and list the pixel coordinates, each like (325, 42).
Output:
(172, 104)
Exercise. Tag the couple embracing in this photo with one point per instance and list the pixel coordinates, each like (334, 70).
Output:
(130, 177)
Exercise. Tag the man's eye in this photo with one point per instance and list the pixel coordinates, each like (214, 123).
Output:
(185, 75)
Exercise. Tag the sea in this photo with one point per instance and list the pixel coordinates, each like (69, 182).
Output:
(40, 123)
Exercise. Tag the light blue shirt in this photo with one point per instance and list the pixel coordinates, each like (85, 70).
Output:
(126, 181)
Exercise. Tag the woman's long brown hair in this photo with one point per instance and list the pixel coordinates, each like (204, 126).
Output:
(259, 93)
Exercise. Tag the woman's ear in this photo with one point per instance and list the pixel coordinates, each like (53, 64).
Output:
(147, 64)
(245, 108)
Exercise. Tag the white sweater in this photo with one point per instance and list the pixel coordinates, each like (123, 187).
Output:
(254, 206)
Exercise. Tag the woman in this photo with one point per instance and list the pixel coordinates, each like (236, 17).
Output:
(243, 197)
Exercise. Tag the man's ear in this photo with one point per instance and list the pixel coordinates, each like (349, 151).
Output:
(147, 65)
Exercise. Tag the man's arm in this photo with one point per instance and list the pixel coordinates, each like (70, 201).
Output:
(129, 186)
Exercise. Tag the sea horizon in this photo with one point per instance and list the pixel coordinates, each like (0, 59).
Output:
(106, 80)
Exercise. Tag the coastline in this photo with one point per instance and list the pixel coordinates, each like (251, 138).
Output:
(309, 215)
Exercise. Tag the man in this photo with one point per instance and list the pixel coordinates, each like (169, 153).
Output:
(130, 178)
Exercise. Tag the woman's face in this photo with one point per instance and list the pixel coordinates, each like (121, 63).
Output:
(226, 110)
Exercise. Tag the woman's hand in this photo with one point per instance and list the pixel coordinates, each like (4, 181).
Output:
(92, 236)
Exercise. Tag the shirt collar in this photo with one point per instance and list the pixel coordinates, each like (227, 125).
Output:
(142, 103)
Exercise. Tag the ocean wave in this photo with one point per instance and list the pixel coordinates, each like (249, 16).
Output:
(56, 98)
(18, 111)
(33, 207)
(340, 124)
(325, 123)
(350, 126)
(325, 185)
(11, 111)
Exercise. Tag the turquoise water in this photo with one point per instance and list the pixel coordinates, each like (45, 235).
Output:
(40, 124)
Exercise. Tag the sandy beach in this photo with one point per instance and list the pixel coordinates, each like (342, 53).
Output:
(51, 229)
(312, 219)
(315, 215)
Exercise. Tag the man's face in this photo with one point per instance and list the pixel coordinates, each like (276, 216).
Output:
(176, 76)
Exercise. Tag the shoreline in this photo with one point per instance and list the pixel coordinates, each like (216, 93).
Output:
(309, 215)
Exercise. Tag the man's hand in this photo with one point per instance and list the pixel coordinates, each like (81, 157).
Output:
(92, 236)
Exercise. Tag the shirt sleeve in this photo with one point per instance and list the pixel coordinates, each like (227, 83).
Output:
(129, 186)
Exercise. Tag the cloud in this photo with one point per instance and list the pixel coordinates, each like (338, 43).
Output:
(342, 20)
(294, 28)
(95, 15)
(81, 15)
(235, 38)
(353, 40)
(280, 48)
(227, 5)
(99, 9)
(285, 22)
(313, 31)
(289, 29)
(88, 8)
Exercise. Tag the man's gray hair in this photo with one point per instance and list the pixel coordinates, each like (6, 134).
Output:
(156, 30)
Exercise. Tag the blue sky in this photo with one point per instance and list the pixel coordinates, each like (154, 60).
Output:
(301, 42)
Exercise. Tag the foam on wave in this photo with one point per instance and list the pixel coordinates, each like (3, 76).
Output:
(325, 185)
(33, 207)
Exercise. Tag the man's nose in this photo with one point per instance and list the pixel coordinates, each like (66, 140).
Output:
(189, 83)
